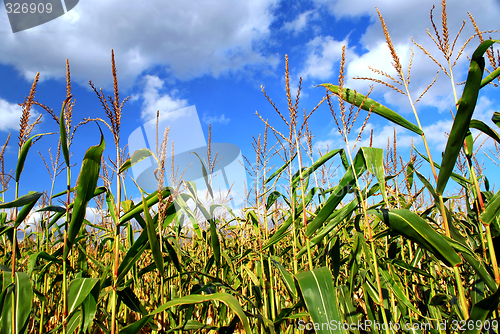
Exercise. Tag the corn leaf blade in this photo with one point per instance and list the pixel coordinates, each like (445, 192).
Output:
(357, 99)
(321, 298)
(464, 115)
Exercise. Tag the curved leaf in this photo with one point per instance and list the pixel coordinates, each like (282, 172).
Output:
(321, 298)
(87, 183)
(492, 210)
(24, 152)
(317, 164)
(464, 115)
(137, 156)
(413, 227)
(26, 209)
(78, 290)
(139, 208)
(136, 327)
(32, 197)
(481, 126)
(153, 239)
(62, 132)
(340, 191)
(286, 276)
(227, 299)
(357, 99)
(480, 312)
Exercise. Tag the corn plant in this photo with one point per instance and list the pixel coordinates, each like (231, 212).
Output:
(379, 249)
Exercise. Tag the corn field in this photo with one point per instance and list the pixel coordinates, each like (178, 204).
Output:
(379, 249)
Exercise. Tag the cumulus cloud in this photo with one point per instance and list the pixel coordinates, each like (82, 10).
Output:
(154, 100)
(10, 113)
(189, 38)
(324, 53)
(300, 22)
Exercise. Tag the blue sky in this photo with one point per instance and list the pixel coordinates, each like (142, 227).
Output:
(216, 55)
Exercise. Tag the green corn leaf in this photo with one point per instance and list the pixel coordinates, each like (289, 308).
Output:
(286, 277)
(5, 294)
(26, 209)
(469, 144)
(97, 192)
(42, 255)
(62, 132)
(193, 325)
(409, 172)
(496, 118)
(153, 239)
(87, 183)
(357, 99)
(464, 115)
(32, 197)
(24, 152)
(89, 307)
(110, 202)
(136, 327)
(413, 227)
(225, 298)
(395, 286)
(74, 321)
(181, 202)
(137, 156)
(132, 255)
(317, 164)
(52, 208)
(337, 194)
(283, 230)
(454, 176)
(321, 298)
(214, 239)
(78, 290)
(374, 158)
(339, 216)
(129, 298)
(23, 296)
(173, 255)
(428, 185)
(349, 310)
(480, 312)
(491, 210)
(270, 178)
(490, 77)
(139, 208)
(481, 126)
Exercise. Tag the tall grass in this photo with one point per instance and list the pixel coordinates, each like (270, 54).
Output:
(381, 244)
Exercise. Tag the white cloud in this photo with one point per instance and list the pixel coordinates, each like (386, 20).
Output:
(323, 54)
(154, 101)
(10, 113)
(189, 38)
(324, 146)
(300, 23)
(215, 119)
